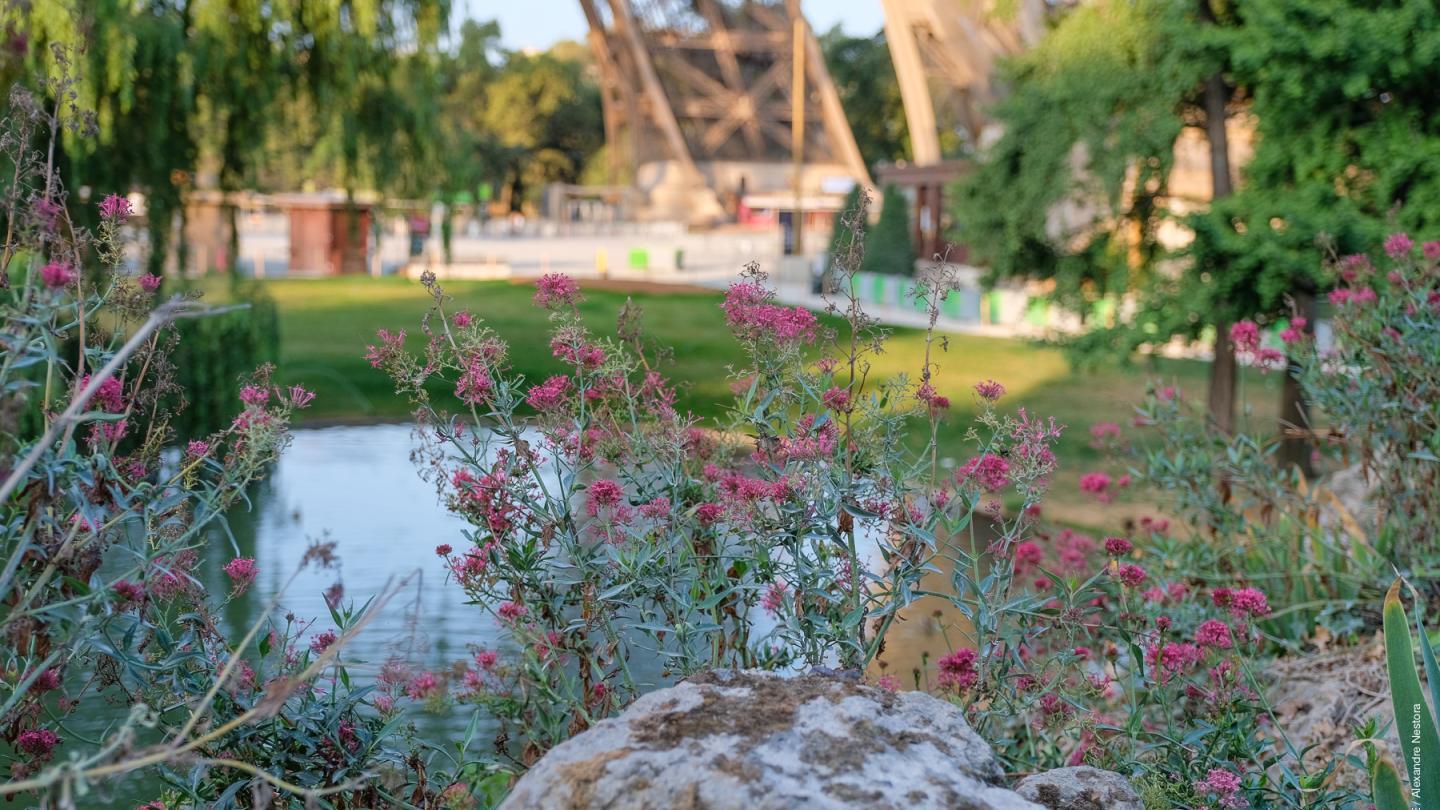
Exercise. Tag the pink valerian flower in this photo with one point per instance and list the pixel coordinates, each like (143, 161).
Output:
(171, 575)
(774, 597)
(462, 319)
(469, 568)
(474, 385)
(1242, 602)
(752, 315)
(486, 659)
(57, 274)
(109, 397)
(1245, 335)
(1097, 484)
(549, 395)
(424, 686)
(1295, 332)
(1214, 633)
(323, 642)
(1118, 546)
(990, 473)
(512, 611)
(242, 572)
(300, 398)
(1398, 245)
(574, 350)
(254, 395)
(933, 401)
(37, 743)
(149, 282)
(1131, 575)
(334, 594)
(1103, 433)
(1027, 555)
(392, 346)
(115, 208)
(1171, 659)
(443, 550)
(47, 681)
(197, 448)
(1224, 786)
(836, 398)
(128, 591)
(709, 513)
(809, 442)
(1431, 250)
(957, 670)
(47, 212)
(989, 390)
(656, 508)
(605, 494)
(889, 683)
(1156, 525)
(556, 289)
(1268, 359)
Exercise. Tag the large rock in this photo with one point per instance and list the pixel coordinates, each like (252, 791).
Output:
(756, 741)
(1080, 788)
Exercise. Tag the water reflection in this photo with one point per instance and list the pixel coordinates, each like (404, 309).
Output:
(357, 487)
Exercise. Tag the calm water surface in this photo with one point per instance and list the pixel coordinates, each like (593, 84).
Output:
(357, 486)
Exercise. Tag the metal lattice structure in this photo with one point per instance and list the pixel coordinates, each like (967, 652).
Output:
(945, 53)
(705, 86)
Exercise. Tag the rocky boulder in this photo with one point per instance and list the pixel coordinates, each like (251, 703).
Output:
(1080, 788)
(757, 741)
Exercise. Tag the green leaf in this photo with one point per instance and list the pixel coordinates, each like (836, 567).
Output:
(1387, 789)
(1414, 724)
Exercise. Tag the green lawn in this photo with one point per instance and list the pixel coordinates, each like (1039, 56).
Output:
(327, 323)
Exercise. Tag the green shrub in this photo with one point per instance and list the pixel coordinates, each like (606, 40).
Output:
(889, 249)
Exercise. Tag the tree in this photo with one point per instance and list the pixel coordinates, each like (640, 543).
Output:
(1348, 148)
(889, 247)
(864, 77)
(545, 110)
(1075, 191)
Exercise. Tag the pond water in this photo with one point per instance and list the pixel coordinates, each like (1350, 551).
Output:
(358, 487)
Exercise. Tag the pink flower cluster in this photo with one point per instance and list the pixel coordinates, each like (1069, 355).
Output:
(57, 274)
(391, 348)
(989, 472)
(1246, 337)
(115, 208)
(957, 670)
(548, 395)
(242, 572)
(989, 390)
(752, 315)
(474, 385)
(556, 289)
(774, 597)
(1224, 786)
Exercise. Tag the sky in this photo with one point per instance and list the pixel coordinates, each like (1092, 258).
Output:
(540, 23)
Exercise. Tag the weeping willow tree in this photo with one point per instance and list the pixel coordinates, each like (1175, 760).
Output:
(224, 93)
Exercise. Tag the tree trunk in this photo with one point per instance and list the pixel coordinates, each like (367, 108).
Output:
(1221, 397)
(1222, 368)
(1294, 410)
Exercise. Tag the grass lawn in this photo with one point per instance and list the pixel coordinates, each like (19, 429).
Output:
(327, 323)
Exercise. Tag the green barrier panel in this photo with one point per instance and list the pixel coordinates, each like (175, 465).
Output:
(994, 301)
(639, 259)
(877, 289)
(1035, 312)
(951, 306)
